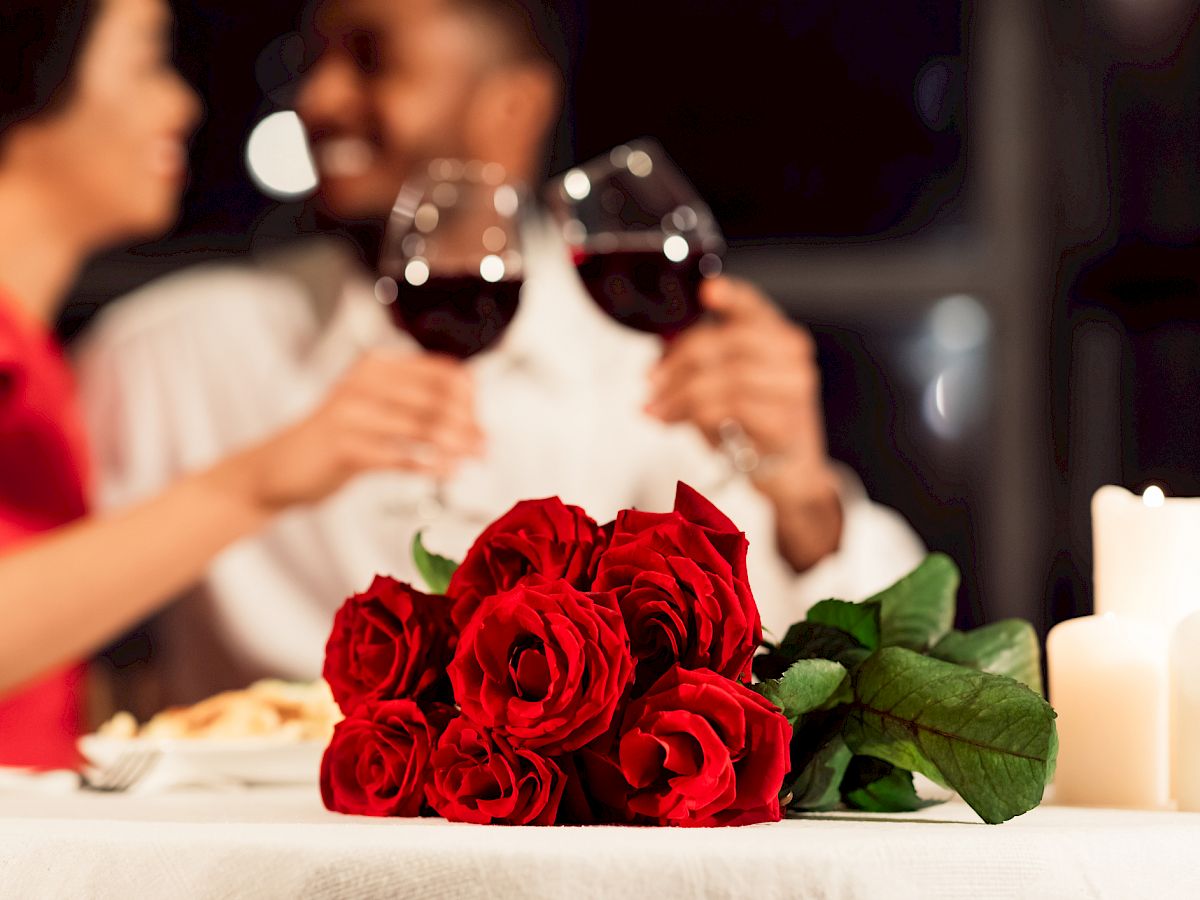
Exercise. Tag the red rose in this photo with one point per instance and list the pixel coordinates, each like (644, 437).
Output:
(480, 777)
(544, 665)
(699, 749)
(543, 538)
(594, 778)
(389, 642)
(377, 763)
(681, 581)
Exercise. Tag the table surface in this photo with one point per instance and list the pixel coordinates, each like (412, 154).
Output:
(282, 843)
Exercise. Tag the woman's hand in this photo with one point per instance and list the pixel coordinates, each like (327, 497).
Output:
(407, 412)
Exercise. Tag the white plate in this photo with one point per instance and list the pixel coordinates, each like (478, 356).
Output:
(246, 761)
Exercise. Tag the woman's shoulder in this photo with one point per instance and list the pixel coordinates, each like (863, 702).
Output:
(23, 340)
(29, 355)
(12, 341)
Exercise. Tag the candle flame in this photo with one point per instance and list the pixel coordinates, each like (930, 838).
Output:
(1154, 497)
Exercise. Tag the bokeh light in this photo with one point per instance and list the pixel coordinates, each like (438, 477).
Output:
(278, 157)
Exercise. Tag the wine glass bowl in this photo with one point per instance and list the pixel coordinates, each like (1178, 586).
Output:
(451, 266)
(641, 237)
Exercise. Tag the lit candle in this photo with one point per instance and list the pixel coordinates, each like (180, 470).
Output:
(1147, 554)
(1110, 687)
(1185, 713)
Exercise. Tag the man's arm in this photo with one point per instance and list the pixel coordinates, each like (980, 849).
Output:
(751, 366)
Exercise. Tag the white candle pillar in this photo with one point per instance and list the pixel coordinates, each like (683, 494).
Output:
(1185, 714)
(1147, 554)
(1109, 684)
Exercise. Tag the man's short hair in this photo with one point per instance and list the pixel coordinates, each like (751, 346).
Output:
(531, 28)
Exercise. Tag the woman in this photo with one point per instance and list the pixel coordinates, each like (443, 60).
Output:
(93, 124)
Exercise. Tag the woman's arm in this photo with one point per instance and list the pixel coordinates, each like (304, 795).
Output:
(72, 590)
(64, 594)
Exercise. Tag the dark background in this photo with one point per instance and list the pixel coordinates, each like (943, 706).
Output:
(1037, 161)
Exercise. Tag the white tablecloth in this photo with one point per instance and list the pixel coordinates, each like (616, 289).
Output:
(281, 843)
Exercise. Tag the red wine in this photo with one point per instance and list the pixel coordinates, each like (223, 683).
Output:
(456, 315)
(643, 289)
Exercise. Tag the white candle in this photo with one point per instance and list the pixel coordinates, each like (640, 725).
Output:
(1147, 554)
(1185, 714)
(1109, 684)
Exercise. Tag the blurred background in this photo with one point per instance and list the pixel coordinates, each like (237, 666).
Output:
(987, 212)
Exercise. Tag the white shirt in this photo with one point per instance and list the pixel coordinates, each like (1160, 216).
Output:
(205, 362)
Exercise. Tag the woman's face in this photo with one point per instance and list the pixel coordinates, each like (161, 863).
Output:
(116, 150)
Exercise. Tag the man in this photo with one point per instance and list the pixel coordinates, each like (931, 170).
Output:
(569, 403)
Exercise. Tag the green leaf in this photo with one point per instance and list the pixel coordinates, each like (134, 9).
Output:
(816, 786)
(988, 737)
(809, 684)
(771, 664)
(436, 570)
(859, 620)
(811, 640)
(1003, 648)
(1053, 757)
(918, 609)
(873, 785)
(817, 758)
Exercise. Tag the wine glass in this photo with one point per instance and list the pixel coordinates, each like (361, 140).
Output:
(451, 266)
(641, 236)
(643, 240)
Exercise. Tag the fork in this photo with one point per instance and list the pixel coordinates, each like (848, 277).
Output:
(123, 772)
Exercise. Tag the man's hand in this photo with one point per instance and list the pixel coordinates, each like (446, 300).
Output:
(752, 366)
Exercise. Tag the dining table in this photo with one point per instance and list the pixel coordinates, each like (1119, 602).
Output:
(281, 842)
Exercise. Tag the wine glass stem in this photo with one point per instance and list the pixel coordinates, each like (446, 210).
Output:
(440, 499)
(737, 446)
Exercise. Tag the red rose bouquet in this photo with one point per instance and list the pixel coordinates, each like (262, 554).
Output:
(568, 672)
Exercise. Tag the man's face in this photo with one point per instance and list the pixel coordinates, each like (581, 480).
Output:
(390, 89)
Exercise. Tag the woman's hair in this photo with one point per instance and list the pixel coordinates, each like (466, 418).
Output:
(40, 41)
